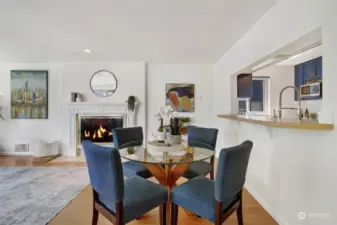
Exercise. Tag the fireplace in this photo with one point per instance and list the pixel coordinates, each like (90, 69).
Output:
(97, 128)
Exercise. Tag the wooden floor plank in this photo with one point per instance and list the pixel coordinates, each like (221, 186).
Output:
(78, 212)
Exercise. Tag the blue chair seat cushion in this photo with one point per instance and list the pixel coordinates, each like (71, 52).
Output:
(201, 168)
(140, 196)
(197, 196)
(131, 169)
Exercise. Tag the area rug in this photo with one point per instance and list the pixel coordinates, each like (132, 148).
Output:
(34, 195)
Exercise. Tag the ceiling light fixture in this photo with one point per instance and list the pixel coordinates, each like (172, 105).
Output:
(87, 51)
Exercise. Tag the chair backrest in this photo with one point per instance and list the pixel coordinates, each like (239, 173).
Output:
(127, 137)
(202, 137)
(105, 171)
(231, 171)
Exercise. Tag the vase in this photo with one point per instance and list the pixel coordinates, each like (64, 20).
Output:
(174, 139)
(79, 98)
(184, 129)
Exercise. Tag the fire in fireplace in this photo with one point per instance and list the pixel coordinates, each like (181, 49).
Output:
(98, 128)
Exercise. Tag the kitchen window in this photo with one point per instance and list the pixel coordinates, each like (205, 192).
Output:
(259, 102)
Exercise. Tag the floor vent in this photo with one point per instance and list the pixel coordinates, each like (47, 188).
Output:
(22, 147)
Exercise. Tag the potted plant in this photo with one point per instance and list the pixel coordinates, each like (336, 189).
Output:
(185, 121)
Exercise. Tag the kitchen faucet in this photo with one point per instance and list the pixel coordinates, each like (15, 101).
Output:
(299, 101)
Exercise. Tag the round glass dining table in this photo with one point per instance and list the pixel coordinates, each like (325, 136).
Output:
(166, 163)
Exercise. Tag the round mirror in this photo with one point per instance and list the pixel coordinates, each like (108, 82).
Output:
(103, 83)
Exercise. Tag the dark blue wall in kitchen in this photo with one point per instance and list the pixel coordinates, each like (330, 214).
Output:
(304, 72)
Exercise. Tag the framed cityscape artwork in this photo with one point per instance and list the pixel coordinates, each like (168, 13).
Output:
(29, 94)
(180, 97)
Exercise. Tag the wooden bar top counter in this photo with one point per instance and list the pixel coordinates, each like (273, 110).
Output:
(282, 123)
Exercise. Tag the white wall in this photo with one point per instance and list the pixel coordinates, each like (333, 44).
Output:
(285, 22)
(133, 79)
(63, 79)
(22, 131)
(158, 75)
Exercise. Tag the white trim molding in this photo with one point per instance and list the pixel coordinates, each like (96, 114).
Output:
(17, 153)
(265, 205)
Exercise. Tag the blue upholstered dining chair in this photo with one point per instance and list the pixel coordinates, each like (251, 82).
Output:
(216, 200)
(204, 138)
(118, 200)
(130, 137)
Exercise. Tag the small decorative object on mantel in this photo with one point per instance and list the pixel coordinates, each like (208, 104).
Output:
(2, 116)
(131, 111)
(79, 97)
(131, 103)
(73, 96)
(76, 97)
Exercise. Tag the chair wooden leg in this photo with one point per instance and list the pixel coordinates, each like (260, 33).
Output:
(212, 172)
(239, 213)
(94, 216)
(119, 214)
(162, 214)
(94, 210)
(174, 214)
(218, 213)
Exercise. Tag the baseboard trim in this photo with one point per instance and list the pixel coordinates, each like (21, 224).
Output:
(265, 205)
(17, 153)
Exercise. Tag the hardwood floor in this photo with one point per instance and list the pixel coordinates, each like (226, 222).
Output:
(78, 211)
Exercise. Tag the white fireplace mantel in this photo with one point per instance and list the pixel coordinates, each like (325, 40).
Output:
(83, 106)
(77, 108)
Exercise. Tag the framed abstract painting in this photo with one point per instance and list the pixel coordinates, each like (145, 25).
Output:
(29, 94)
(180, 97)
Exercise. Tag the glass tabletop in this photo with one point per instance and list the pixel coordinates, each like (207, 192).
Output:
(166, 154)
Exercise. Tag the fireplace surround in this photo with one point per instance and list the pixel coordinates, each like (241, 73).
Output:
(97, 128)
(113, 111)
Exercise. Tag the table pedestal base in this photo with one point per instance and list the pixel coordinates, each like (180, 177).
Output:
(168, 177)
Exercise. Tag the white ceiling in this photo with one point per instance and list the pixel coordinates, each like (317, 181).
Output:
(167, 31)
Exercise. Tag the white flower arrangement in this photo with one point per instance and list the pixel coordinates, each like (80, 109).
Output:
(166, 113)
